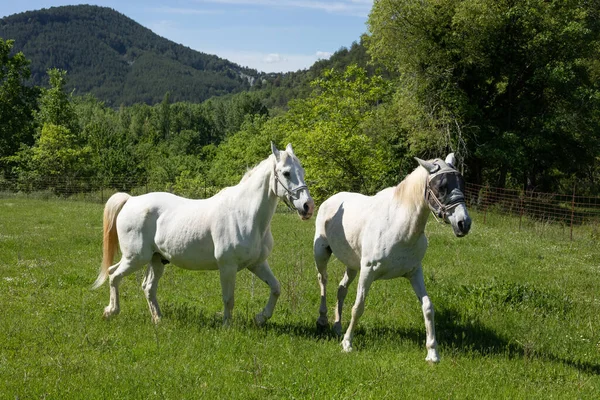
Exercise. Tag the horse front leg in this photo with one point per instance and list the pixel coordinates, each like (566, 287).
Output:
(264, 273)
(227, 274)
(418, 284)
(341, 297)
(364, 283)
(322, 253)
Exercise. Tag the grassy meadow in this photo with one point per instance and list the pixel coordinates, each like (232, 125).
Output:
(517, 316)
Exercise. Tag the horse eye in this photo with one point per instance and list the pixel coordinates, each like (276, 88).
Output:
(286, 174)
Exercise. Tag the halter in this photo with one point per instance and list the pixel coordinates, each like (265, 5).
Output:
(292, 194)
(440, 210)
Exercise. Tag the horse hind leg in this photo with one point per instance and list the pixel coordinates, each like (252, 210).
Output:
(348, 278)
(263, 272)
(117, 272)
(150, 284)
(322, 253)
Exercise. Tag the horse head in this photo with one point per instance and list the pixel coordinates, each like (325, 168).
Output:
(289, 182)
(444, 193)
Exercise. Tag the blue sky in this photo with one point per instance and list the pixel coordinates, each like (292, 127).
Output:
(268, 35)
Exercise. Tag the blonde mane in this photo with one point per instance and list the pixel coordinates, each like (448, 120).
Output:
(411, 191)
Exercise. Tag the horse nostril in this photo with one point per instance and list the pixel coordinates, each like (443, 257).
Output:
(306, 207)
(461, 226)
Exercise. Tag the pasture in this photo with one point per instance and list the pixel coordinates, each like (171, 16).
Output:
(517, 316)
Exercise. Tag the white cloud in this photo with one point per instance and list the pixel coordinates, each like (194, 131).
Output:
(270, 62)
(273, 58)
(323, 55)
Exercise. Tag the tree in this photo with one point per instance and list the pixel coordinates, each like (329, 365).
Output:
(105, 133)
(241, 151)
(509, 83)
(332, 134)
(57, 154)
(56, 107)
(17, 102)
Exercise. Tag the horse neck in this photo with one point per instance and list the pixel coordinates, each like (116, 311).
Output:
(409, 198)
(260, 201)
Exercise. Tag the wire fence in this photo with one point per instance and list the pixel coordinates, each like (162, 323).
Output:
(99, 190)
(529, 209)
(564, 210)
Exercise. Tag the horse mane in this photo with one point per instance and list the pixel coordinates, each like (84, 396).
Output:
(250, 171)
(410, 192)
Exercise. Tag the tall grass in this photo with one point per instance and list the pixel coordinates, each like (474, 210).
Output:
(516, 317)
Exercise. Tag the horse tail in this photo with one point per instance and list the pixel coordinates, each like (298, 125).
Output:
(110, 239)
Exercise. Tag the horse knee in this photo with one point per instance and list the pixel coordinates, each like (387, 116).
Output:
(427, 307)
(322, 276)
(115, 279)
(358, 309)
(276, 289)
(342, 291)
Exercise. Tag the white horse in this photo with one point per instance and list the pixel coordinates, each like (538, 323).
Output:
(382, 237)
(227, 232)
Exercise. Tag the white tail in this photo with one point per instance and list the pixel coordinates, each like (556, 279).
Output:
(110, 239)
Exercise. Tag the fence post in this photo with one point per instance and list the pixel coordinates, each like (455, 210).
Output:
(572, 210)
(485, 205)
(520, 211)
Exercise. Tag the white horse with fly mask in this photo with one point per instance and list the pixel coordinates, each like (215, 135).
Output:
(227, 232)
(383, 237)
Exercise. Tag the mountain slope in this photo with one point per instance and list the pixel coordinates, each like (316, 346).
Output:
(116, 59)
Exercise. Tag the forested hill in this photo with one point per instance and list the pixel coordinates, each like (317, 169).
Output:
(116, 59)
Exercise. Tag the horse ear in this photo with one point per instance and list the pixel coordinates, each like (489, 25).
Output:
(451, 160)
(275, 151)
(430, 167)
(289, 149)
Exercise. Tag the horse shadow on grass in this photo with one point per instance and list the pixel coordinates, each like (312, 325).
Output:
(453, 333)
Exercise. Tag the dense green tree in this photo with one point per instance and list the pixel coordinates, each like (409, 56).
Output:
(56, 106)
(331, 133)
(242, 151)
(116, 59)
(17, 102)
(112, 154)
(58, 154)
(508, 84)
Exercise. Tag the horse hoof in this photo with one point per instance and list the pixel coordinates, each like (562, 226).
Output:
(432, 357)
(346, 346)
(322, 324)
(227, 322)
(337, 328)
(109, 313)
(260, 319)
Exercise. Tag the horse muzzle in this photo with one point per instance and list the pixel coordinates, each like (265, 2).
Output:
(462, 227)
(460, 220)
(307, 209)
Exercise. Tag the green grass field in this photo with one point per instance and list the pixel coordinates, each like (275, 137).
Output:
(517, 316)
